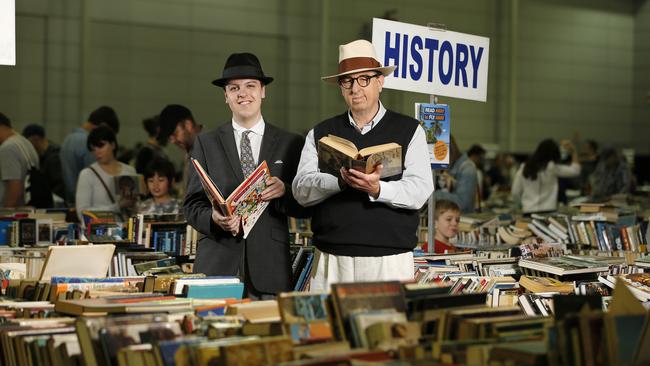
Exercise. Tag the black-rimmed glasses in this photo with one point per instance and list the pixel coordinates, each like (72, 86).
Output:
(363, 81)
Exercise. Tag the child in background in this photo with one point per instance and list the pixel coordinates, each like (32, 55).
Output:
(446, 218)
(159, 176)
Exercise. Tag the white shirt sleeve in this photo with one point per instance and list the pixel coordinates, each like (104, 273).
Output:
(416, 185)
(310, 186)
(567, 171)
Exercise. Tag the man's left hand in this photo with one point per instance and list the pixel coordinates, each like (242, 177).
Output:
(368, 183)
(274, 189)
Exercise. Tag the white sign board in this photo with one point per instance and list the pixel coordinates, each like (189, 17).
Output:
(432, 61)
(7, 32)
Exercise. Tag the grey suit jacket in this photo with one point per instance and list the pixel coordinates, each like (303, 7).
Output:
(267, 245)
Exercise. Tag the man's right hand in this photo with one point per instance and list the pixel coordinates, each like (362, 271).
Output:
(226, 223)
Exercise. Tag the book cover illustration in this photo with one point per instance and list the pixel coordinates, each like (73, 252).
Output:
(306, 317)
(130, 185)
(245, 201)
(335, 152)
(27, 232)
(311, 308)
(44, 231)
(435, 120)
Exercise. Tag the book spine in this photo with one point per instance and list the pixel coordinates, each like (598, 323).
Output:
(634, 244)
(220, 291)
(600, 235)
(591, 231)
(626, 239)
(304, 272)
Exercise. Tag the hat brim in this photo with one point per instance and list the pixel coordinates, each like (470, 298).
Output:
(266, 80)
(333, 79)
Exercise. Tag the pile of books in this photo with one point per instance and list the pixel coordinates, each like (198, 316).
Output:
(383, 320)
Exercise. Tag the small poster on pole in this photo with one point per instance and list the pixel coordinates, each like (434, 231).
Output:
(434, 118)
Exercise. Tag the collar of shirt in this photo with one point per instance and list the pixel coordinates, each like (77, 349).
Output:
(370, 125)
(257, 129)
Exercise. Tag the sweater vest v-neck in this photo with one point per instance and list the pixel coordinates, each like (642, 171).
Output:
(348, 223)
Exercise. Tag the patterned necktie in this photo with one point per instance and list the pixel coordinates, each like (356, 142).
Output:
(246, 158)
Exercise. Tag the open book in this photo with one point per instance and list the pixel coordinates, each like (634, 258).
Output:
(335, 152)
(245, 201)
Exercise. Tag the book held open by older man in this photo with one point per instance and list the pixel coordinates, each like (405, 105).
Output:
(335, 152)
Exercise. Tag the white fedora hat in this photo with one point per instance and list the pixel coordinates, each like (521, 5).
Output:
(357, 56)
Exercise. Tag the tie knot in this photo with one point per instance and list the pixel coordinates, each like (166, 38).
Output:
(246, 133)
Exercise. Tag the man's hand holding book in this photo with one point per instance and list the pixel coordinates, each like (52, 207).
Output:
(226, 223)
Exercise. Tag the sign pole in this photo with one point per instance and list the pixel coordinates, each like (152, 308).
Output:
(431, 206)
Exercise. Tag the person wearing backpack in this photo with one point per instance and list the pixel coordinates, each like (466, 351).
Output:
(49, 159)
(18, 159)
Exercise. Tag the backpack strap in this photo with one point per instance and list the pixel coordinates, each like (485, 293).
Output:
(110, 195)
(26, 155)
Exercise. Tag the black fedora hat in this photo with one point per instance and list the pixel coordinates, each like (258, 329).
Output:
(242, 66)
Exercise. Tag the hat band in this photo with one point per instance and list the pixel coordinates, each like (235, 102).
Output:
(238, 72)
(356, 63)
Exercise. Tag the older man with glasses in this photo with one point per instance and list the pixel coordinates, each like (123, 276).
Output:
(364, 226)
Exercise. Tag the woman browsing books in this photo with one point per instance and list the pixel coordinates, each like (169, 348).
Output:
(536, 182)
(96, 190)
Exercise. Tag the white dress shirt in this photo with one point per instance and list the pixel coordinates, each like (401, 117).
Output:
(310, 186)
(255, 137)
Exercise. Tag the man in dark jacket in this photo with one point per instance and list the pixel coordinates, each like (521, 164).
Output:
(228, 154)
(50, 160)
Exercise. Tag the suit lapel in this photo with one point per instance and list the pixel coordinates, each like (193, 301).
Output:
(269, 143)
(227, 137)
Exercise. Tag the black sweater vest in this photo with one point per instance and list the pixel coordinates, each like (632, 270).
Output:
(348, 223)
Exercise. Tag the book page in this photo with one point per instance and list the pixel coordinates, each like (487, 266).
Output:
(390, 159)
(378, 148)
(246, 201)
(340, 144)
(330, 160)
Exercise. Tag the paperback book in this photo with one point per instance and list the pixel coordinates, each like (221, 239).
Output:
(434, 118)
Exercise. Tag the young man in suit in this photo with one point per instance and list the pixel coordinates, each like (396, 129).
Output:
(364, 227)
(228, 154)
